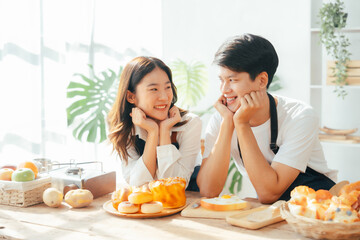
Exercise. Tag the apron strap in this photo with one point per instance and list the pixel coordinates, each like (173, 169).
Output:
(273, 124)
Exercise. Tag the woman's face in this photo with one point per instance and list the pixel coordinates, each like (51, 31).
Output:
(154, 94)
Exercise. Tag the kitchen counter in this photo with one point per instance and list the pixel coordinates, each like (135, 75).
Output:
(93, 222)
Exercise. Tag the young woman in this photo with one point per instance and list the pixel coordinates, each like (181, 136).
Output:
(154, 138)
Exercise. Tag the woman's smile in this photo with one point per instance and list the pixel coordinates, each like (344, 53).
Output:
(161, 107)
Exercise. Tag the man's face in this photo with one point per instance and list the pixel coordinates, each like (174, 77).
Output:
(234, 85)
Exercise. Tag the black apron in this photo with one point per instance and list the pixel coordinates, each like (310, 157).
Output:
(310, 177)
(192, 186)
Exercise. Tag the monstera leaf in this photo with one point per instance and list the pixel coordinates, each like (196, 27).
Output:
(94, 97)
(190, 80)
(236, 178)
(275, 84)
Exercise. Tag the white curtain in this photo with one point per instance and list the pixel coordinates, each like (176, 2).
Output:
(42, 45)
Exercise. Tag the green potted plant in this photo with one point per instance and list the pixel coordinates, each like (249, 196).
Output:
(333, 19)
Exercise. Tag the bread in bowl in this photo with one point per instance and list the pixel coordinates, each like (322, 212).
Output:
(323, 206)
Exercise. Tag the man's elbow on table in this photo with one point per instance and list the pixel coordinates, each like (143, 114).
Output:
(208, 190)
(268, 197)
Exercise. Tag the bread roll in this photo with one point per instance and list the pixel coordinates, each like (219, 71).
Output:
(140, 197)
(301, 195)
(120, 195)
(341, 213)
(151, 207)
(323, 195)
(143, 188)
(128, 207)
(349, 199)
(350, 187)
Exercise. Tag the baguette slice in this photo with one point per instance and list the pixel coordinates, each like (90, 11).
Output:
(224, 203)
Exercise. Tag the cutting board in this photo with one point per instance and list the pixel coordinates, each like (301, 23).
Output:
(240, 219)
(201, 212)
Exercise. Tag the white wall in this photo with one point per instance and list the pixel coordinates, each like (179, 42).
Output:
(194, 29)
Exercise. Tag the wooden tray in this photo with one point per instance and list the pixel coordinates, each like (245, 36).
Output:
(108, 207)
(240, 219)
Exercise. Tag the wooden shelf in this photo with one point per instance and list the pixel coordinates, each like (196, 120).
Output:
(348, 30)
(357, 145)
(345, 86)
(316, 86)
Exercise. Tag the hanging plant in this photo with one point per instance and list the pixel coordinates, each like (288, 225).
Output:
(94, 98)
(333, 19)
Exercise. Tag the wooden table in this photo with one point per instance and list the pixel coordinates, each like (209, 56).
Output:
(42, 222)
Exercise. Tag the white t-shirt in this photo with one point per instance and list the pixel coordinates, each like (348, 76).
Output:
(298, 140)
(171, 162)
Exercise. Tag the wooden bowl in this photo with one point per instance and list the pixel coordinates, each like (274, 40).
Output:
(319, 229)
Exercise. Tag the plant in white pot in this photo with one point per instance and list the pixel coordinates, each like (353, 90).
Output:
(333, 19)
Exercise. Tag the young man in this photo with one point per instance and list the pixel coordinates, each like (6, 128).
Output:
(273, 140)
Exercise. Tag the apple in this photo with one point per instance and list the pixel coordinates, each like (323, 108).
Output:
(5, 174)
(23, 175)
(13, 167)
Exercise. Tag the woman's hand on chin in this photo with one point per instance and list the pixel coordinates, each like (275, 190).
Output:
(139, 119)
(174, 118)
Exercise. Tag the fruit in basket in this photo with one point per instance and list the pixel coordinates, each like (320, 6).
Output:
(31, 165)
(23, 175)
(13, 167)
(5, 174)
(52, 197)
(79, 198)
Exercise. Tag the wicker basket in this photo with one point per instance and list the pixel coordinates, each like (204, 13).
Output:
(318, 229)
(23, 194)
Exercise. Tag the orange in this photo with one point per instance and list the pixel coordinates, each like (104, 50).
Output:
(31, 165)
(5, 174)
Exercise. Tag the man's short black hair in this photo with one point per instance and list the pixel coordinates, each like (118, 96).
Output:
(248, 53)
